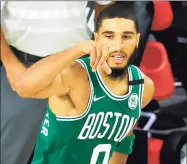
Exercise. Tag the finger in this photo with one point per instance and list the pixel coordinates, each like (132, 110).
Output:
(93, 55)
(105, 54)
(106, 68)
(98, 56)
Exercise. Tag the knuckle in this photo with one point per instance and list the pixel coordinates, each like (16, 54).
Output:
(98, 55)
(105, 56)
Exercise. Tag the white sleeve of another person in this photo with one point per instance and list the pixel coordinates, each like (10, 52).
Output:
(2, 4)
(103, 2)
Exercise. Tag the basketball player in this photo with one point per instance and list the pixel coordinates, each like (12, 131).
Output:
(95, 101)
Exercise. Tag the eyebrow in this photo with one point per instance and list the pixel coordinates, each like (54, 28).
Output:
(124, 32)
(107, 32)
(128, 32)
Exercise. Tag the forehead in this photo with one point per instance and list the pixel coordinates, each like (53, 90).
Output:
(118, 25)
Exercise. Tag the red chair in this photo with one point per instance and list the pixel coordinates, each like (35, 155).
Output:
(163, 15)
(154, 147)
(155, 64)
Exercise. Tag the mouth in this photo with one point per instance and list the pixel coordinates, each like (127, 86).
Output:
(118, 58)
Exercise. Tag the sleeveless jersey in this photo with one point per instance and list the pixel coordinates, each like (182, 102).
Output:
(93, 136)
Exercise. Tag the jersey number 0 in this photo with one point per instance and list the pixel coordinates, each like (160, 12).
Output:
(98, 149)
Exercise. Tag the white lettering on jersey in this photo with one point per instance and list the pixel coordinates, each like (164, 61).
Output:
(120, 127)
(87, 127)
(105, 124)
(125, 117)
(131, 125)
(97, 125)
(45, 126)
(115, 124)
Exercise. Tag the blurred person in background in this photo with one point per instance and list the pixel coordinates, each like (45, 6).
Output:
(31, 31)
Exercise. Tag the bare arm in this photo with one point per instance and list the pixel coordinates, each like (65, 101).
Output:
(48, 76)
(118, 158)
(9, 61)
(148, 90)
(43, 76)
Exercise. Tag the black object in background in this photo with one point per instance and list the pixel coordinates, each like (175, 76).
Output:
(140, 149)
(172, 148)
(144, 13)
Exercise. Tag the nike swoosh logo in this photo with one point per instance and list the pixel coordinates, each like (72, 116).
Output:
(97, 98)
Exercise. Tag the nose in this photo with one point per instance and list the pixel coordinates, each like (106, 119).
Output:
(118, 44)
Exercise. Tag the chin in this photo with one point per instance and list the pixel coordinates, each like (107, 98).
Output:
(116, 66)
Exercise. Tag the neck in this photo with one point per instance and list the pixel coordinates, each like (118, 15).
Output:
(118, 86)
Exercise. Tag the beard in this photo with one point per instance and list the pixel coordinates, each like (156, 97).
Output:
(120, 73)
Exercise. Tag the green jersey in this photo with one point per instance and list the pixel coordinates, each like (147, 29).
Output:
(100, 130)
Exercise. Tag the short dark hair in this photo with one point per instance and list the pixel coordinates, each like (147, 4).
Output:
(117, 10)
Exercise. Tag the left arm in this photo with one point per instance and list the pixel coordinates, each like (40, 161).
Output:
(119, 157)
(148, 90)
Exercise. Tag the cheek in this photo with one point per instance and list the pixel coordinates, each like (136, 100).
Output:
(129, 47)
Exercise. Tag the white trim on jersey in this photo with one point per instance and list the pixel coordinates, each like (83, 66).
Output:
(141, 89)
(75, 118)
(110, 94)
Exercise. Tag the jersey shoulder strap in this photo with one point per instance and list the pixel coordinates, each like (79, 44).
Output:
(137, 82)
(137, 76)
(85, 62)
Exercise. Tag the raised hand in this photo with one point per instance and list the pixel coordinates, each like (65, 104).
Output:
(99, 53)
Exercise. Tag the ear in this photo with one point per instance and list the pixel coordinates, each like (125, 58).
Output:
(137, 40)
(95, 36)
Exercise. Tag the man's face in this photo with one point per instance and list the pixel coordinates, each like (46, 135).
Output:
(121, 36)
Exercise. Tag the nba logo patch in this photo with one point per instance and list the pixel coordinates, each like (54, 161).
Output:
(133, 101)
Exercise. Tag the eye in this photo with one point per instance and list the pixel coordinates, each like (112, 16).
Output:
(109, 36)
(127, 37)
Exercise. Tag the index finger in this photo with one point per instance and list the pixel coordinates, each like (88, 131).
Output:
(93, 55)
(105, 54)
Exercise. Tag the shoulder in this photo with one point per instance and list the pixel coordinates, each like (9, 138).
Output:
(148, 91)
(76, 70)
(75, 74)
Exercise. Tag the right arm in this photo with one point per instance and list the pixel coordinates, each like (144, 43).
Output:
(44, 78)
(51, 75)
